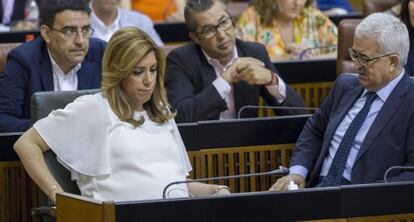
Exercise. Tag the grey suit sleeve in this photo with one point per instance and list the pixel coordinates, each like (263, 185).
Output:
(191, 105)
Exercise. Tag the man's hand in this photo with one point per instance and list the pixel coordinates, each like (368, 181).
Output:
(282, 183)
(253, 71)
(233, 73)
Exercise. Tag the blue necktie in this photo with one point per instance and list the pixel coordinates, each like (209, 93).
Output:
(341, 156)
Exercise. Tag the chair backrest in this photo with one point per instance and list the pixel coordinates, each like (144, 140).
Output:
(41, 105)
(371, 6)
(346, 30)
(5, 48)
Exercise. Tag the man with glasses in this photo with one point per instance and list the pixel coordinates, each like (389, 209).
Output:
(366, 124)
(217, 75)
(63, 58)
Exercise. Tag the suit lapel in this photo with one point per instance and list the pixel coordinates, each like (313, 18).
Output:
(85, 76)
(207, 70)
(343, 109)
(45, 69)
(339, 113)
(387, 111)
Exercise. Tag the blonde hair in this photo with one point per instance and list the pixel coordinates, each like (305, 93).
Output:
(125, 49)
(267, 9)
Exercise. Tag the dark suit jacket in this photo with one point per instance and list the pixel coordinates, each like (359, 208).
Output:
(389, 141)
(18, 10)
(28, 69)
(191, 92)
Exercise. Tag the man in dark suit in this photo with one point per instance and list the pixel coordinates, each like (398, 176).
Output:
(63, 58)
(217, 75)
(12, 11)
(366, 124)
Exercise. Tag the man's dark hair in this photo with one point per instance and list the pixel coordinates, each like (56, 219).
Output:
(195, 6)
(50, 8)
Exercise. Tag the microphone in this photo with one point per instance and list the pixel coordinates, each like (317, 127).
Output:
(396, 168)
(274, 108)
(305, 51)
(278, 172)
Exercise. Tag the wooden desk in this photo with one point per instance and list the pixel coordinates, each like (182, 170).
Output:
(374, 202)
(215, 148)
(307, 71)
(170, 32)
(18, 36)
(312, 79)
(351, 15)
(178, 32)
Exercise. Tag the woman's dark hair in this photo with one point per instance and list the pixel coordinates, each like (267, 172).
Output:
(405, 18)
(49, 9)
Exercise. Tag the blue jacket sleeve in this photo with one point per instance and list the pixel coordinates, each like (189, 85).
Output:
(14, 83)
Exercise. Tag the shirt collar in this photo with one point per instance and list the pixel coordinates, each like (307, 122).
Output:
(58, 71)
(215, 62)
(387, 89)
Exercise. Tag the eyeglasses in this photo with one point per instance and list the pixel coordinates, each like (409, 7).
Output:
(364, 60)
(72, 32)
(211, 30)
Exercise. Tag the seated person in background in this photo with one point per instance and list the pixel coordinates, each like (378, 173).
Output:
(217, 75)
(366, 124)
(125, 4)
(407, 17)
(129, 148)
(107, 17)
(63, 58)
(396, 10)
(287, 28)
(334, 7)
(161, 10)
(15, 15)
(12, 10)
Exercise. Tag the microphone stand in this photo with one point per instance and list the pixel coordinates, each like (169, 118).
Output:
(305, 51)
(273, 107)
(396, 168)
(279, 172)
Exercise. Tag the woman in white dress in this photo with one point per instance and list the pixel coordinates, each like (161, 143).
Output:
(121, 144)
